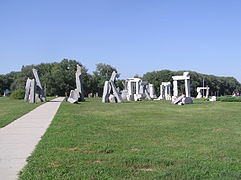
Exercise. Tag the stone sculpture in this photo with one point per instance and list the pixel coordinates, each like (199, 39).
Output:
(33, 89)
(186, 98)
(39, 90)
(79, 83)
(213, 98)
(77, 95)
(110, 93)
(137, 89)
(199, 91)
(165, 91)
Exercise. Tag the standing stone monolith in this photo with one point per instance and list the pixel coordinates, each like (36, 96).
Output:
(32, 95)
(27, 90)
(186, 98)
(79, 83)
(110, 93)
(39, 90)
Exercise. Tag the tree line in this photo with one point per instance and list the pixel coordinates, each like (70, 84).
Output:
(58, 78)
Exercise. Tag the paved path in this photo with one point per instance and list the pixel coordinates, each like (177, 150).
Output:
(18, 139)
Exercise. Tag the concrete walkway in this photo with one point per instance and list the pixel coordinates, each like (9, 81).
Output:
(18, 139)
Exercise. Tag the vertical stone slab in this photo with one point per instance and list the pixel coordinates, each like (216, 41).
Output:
(130, 96)
(27, 90)
(79, 83)
(175, 88)
(106, 90)
(162, 88)
(32, 95)
(169, 96)
(207, 93)
(187, 88)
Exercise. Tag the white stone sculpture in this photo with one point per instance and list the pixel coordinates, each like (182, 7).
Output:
(199, 91)
(79, 83)
(33, 90)
(187, 96)
(78, 92)
(165, 91)
(40, 94)
(213, 98)
(110, 93)
(138, 89)
(73, 96)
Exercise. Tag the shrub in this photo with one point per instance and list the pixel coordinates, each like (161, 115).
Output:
(229, 98)
(18, 94)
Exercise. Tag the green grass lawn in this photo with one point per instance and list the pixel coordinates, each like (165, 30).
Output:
(140, 140)
(12, 109)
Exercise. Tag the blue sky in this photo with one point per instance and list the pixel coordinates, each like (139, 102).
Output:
(135, 36)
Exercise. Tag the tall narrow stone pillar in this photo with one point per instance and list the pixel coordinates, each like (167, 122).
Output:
(175, 88)
(187, 87)
(105, 96)
(27, 90)
(32, 94)
(207, 92)
(79, 83)
(162, 88)
(137, 87)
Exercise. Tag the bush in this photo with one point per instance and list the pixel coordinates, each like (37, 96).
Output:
(229, 98)
(18, 94)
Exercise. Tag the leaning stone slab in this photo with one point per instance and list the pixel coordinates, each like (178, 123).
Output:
(73, 97)
(39, 89)
(27, 90)
(113, 76)
(115, 92)
(178, 99)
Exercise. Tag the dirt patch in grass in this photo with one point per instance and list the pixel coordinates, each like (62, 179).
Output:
(54, 164)
(134, 149)
(146, 169)
(68, 149)
(218, 130)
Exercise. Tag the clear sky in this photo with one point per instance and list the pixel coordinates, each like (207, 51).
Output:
(135, 36)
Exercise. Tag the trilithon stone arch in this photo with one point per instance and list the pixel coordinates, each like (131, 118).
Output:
(165, 91)
(200, 94)
(186, 98)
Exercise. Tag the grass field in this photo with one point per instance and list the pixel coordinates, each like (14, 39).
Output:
(140, 140)
(12, 109)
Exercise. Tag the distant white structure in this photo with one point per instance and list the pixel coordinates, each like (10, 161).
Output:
(136, 90)
(186, 98)
(110, 92)
(200, 94)
(213, 98)
(77, 95)
(165, 91)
